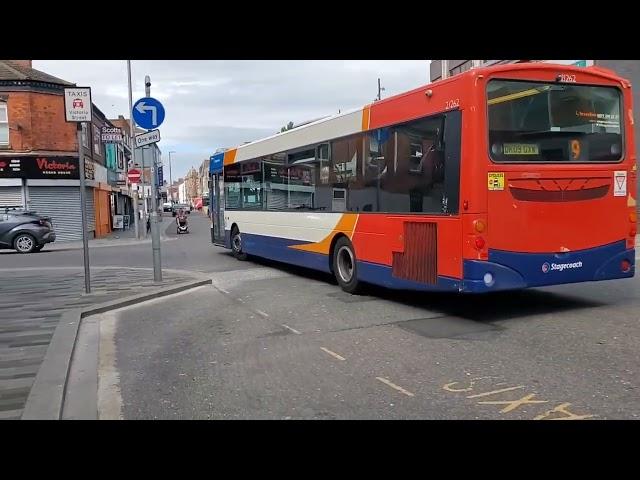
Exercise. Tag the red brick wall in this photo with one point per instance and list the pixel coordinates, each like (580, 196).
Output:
(36, 122)
(122, 124)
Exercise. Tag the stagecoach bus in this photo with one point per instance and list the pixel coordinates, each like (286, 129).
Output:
(499, 178)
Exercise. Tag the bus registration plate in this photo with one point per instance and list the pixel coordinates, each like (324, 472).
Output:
(520, 149)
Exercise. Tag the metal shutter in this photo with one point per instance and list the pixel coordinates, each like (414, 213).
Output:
(300, 198)
(11, 197)
(276, 199)
(62, 204)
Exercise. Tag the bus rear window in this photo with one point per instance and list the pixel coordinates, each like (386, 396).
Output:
(550, 122)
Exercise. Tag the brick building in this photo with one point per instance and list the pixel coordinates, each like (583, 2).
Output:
(39, 164)
(191, 185)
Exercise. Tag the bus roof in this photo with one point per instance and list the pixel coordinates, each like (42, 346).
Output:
(357, 120)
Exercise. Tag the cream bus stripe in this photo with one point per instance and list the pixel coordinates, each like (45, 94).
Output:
(306, 227)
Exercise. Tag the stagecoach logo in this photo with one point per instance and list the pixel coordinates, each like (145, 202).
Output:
(546, 267)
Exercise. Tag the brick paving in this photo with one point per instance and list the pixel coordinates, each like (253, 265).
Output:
(31, 303)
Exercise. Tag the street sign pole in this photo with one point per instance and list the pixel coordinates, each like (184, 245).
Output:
(155, 227)
(83, 213)
(133, 152)
(78, 109)
(144, 195)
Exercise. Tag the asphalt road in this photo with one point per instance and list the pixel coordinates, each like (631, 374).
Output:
(191, 251)
(274, 342)
(278, 342)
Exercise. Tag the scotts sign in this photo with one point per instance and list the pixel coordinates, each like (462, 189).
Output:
(33, 166)
(111, 135)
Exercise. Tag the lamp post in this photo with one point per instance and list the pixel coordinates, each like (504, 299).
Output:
(132, 127)
(170, 177)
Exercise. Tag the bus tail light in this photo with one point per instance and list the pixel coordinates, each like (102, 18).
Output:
(625, 266)
(480, 243)
(633, 231)
(633, 217)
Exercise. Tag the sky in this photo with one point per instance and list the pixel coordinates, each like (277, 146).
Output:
(214, 104)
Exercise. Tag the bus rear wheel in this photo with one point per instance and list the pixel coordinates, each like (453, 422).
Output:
(345, 267)
(236, 244)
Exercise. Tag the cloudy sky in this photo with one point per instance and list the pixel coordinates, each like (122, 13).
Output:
(213, 104)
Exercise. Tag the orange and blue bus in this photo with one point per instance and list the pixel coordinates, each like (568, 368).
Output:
(499, 178)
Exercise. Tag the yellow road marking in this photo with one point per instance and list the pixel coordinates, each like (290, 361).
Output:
(561, 412)
(513, 404)
(393, 385)
(448, 386)
(486, 394)
(333, 354)
(562, 408)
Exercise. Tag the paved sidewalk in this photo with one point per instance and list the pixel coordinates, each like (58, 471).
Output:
(32, 301)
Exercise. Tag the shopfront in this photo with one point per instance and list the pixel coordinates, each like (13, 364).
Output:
(97, 177)
(48, 185)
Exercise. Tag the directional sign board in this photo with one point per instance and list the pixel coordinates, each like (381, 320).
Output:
(77, 104)
(215, 163)
(148, 113)
(147, 138)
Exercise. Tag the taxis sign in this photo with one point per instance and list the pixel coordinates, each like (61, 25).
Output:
(77, 104)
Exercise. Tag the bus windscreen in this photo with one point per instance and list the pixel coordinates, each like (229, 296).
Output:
(553, 122)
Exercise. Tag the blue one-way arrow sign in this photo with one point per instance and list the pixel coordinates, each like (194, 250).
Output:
(148, 113)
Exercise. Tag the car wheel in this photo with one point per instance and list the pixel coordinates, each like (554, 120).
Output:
(345, 266)
(236, 245)
(24, 243)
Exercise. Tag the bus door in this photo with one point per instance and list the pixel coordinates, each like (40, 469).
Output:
(217, 208)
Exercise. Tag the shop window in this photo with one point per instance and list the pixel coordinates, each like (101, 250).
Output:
(4, 124)
(461, 68)
(85, 135)
(96, 140)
